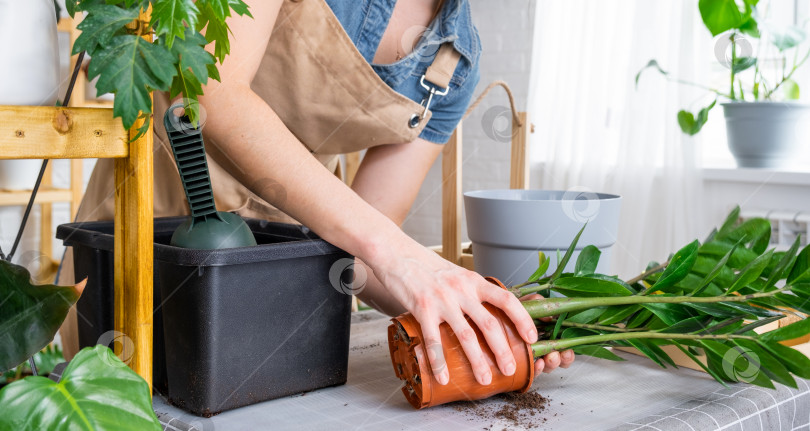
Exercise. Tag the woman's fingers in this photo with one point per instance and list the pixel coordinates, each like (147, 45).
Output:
(567, 358)
(512, 307)
(552, 361)
(539, 364)
(496, 338)
(472, 349)
(434, 352)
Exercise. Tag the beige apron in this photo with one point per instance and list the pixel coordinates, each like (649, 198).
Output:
(326, 94)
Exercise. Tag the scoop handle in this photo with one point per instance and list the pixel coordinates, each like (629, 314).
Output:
(188, 148)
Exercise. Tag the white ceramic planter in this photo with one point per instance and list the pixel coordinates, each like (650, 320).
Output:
(767, 134)
(30, 71)
(508, 227)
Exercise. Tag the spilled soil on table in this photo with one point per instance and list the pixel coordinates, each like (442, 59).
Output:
(523, 410)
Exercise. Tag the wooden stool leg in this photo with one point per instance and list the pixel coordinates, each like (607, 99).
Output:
(134, 239)
(451, 198)
(519, 173)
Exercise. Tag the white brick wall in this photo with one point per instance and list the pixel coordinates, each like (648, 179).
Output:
(506, 30)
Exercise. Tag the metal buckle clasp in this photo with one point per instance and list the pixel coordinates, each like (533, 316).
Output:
(432, 90)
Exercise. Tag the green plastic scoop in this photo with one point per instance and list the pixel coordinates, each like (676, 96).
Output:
(207, 228)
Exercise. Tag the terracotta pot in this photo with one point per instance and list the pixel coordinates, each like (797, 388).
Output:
(421, 389)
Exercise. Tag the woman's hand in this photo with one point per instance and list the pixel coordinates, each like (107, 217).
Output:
(551, 361)
(436, 291)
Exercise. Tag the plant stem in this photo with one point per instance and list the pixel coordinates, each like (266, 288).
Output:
(600, 327)
(554, 306)
(541, 348)
(789, 76)
(647, 273)
(733, 60)
(534, 289)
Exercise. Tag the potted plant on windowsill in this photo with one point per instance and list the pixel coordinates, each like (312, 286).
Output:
(764, 120)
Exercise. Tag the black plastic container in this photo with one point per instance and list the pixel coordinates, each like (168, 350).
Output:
(241, 325)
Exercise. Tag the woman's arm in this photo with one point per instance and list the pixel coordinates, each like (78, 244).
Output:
(389, 179)
(260, 147)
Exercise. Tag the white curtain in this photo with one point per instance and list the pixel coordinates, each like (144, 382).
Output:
(595, 130)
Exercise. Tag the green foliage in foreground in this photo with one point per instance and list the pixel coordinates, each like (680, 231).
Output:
(706, 299)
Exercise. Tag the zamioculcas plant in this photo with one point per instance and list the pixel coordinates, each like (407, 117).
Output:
(175, 61)
(707, 298)
(96, 391)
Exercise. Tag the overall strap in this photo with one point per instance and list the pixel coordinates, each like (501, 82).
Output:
(438, 76)
(444, 65)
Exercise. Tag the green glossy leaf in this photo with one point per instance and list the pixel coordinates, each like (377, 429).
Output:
(170, 17)
(729, 223)
(769, 365)
(561, 263)
(714, 272)
(757, 323)
(587, 261)
(597, 352)
(784, 38)
(715, 310)
(679, 266)
(751, 272)
(669, 313)
(721, 15)
(544, 263)
(587, 316)
(783, 267)
(750, 27)
(789, 332)
(750, 230)
(577, 332)
(795, 361)
(618, 314)
(688, 326)
(698, 362)
(741, 257)
(652, 351)
(791, 90)
(727, 326)
(743, 63)
(130, 68)
(639, 319)
(29, 315)
(801, 268)
(558, 325)
(96, 392)
(589, 287)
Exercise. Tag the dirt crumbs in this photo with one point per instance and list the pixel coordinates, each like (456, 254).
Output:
(520, 410)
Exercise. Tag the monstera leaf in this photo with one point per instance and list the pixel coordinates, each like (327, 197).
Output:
(96, 392)
(29, 315)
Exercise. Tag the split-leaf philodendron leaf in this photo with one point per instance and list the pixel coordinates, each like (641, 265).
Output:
(708, 298)
(97, 392)
(29, 315)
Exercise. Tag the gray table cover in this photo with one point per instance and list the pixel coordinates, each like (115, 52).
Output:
(592, 394)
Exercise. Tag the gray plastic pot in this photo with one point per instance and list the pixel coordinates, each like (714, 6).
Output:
(766, 134)
(508, 227)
